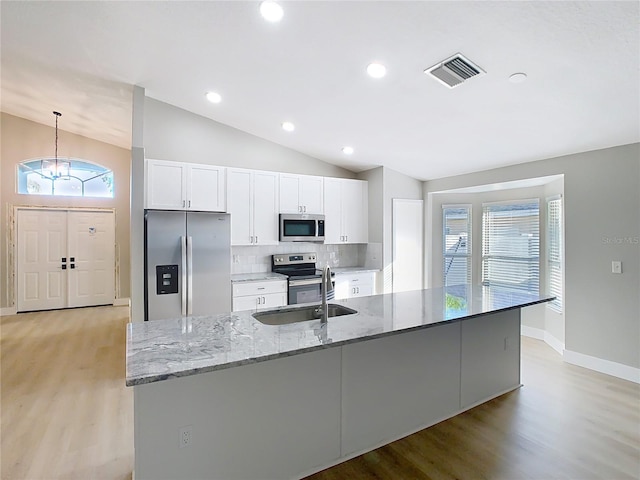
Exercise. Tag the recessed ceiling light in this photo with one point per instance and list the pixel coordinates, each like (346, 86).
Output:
(347, 150)
(271, 11)
(376, 70)
(288, 126)
(518, 77)
(214, 97)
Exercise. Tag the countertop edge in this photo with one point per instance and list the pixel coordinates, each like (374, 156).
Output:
(147, 379)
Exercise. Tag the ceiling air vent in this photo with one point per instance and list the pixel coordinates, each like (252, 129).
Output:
(454, 70)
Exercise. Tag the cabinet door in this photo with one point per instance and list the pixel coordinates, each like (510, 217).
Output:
(342, 286)
(245, 303)
(361, 290)
(166, 185)
(205, 188)
(289, 194)
(265, 208)
(333, 211)
(239, 203)
(310, 194)
(355, 211)
(273, 300)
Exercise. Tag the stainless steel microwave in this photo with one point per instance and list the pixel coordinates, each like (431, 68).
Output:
(298, 227)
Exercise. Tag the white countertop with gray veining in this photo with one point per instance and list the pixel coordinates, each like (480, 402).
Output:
(256, 277)
(163, 349)
(339, 270)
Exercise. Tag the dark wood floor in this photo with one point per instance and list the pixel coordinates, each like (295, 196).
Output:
(66, 414)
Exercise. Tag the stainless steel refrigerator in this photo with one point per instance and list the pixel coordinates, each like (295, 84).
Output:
(187, 263)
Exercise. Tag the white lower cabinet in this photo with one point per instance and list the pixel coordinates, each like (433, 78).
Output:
(351, 285)
(259, 294)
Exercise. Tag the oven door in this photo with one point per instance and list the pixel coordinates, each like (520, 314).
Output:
(305, 291)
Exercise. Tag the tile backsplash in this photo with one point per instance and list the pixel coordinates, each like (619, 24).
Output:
(257, 259)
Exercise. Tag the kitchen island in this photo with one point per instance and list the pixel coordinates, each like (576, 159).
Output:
(275, 402)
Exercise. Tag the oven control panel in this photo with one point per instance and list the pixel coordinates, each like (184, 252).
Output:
(294, 258)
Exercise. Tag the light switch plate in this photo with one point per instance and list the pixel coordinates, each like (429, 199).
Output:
(616, 266)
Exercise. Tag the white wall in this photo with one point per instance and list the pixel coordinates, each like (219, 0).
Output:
(602, 223)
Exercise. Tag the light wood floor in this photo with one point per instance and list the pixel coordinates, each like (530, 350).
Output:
(66, 414)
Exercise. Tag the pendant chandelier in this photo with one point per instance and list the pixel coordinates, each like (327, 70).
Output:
(54, 167)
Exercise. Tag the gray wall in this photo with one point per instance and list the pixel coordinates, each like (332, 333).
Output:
(602, 223)
(162, 131)
(533, 316)
(385, 185)
(171, 133)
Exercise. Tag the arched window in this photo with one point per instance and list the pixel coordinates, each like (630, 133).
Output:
(80, 178)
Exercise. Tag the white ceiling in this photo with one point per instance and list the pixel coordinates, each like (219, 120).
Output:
(582, 60)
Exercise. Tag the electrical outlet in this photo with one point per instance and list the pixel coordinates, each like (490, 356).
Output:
(186, 436)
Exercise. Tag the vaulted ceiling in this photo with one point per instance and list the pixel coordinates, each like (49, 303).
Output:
(582, 61)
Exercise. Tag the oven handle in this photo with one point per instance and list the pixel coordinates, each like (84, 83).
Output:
(300, 283)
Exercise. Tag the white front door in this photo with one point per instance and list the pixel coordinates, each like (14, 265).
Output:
(91, 258)
(42, 246)
(64, 259)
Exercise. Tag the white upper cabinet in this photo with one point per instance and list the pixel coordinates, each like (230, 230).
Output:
(301, 194)
(252, 201)
(184, 186)
(346, 210)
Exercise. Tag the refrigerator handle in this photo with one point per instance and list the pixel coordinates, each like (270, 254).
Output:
(183, 241)
(190, 275)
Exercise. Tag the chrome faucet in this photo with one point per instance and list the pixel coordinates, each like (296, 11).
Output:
(327, 293)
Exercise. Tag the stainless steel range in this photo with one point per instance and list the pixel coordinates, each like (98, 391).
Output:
(305, 280)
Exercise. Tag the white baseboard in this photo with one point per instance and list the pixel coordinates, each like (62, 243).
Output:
(532, 332)
(8, 311)
(603, 366)
(554, 343)
(121, 302)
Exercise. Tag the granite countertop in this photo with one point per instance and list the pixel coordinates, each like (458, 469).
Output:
(339, 270)
(256, 277)
(163, 349)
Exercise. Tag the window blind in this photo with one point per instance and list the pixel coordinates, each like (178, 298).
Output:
(554, 252)
(511, 245)
(456, 243)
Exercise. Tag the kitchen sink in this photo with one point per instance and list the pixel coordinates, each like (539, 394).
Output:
(283, 316)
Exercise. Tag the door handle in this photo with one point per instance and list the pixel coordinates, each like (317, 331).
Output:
(183, 251)
(190, 275)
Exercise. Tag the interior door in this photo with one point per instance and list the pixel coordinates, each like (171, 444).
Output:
(407, 242)
(42, 246)
(91, 258)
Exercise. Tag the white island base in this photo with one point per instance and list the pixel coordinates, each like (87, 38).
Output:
(293, 416)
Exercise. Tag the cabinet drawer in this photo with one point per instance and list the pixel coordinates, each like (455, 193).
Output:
(259, 288)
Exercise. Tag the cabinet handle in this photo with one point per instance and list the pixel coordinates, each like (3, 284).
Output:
(251, 239)
(189, 204)
(299, 208)
(304, 209)
(261, 288)
(256, 238)
(264, 300)
(183, 203)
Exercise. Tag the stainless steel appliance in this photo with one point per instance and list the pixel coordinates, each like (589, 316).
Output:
(187, 263)
(301, 228)
(305, 280)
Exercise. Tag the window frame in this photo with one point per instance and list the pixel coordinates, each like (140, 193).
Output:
(469, 243)
(24, 168)
(555, 287)
(504, 262)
